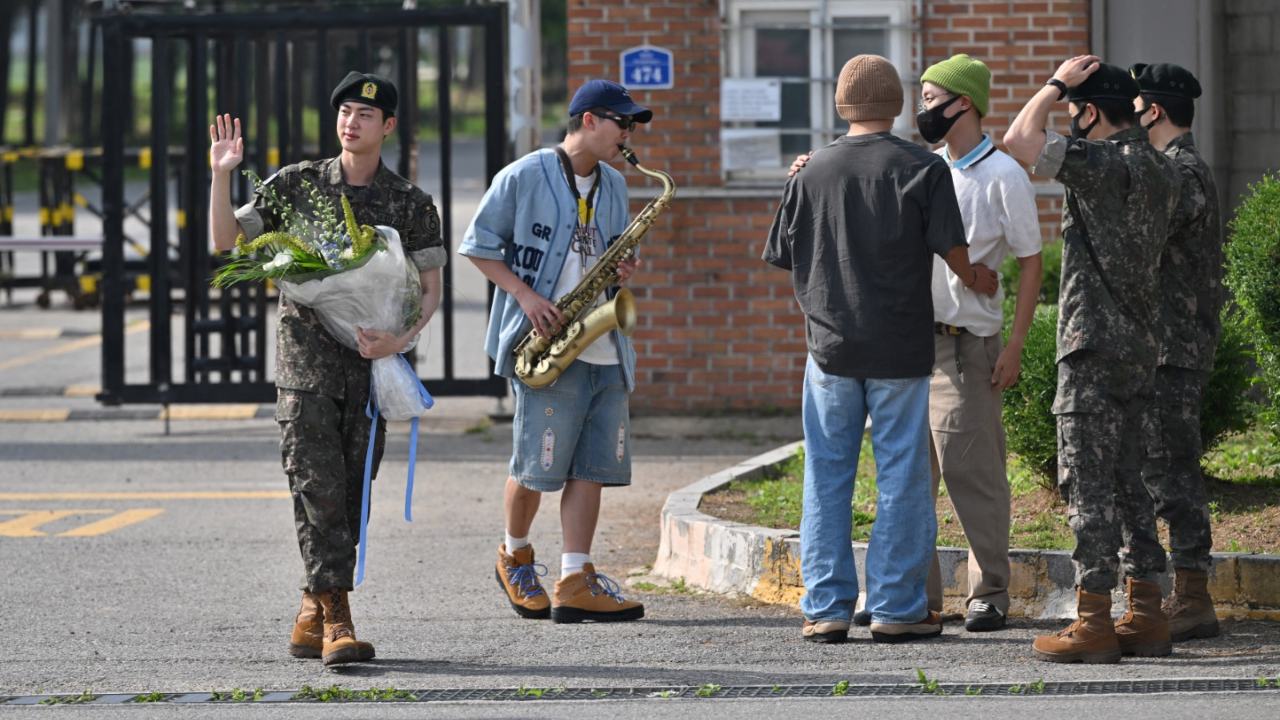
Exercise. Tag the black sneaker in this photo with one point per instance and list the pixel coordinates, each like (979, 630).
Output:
(983, 617)
(862, 618)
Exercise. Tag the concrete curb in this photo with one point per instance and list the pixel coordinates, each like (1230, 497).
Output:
(738, 559)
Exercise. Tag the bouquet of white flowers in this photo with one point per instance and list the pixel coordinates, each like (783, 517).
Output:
(354, 276)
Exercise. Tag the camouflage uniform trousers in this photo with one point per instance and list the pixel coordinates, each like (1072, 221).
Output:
(1171, 471)
(323, 442)
(1099, 407)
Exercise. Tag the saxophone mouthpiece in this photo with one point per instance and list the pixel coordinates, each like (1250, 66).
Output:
(628, 154)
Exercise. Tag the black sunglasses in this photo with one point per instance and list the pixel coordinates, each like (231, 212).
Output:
(624, 121)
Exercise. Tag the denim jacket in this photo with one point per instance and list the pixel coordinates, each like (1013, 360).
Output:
(526, 219)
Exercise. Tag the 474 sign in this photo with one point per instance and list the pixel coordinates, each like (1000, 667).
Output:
(646, 67)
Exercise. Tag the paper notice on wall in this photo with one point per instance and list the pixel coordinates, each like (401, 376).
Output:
(750, 99)
(749, 148)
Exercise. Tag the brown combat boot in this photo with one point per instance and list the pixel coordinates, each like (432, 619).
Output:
(518, 576)
(307, 639)
(1189, 607)
(339, 640)
(1144, 630)
(588, 595)
(1090, 639)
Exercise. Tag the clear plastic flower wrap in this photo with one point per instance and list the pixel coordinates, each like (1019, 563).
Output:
(382, 293)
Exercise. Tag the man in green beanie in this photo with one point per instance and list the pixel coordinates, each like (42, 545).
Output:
(970, 367)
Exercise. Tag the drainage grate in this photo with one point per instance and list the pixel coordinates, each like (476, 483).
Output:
(694, 692)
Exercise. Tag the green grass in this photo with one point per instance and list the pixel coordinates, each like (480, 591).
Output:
(778, 499)
(1248, 458)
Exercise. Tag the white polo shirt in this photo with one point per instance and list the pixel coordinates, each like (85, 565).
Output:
(998, 205)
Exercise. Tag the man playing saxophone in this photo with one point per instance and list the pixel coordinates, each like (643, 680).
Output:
(543, 224)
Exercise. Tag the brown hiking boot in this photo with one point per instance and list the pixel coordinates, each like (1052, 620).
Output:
(588, 595)
(1090, 639)
(825, 631)
(307, 640)
(1189, 607)
(1144, 630)
(517, 574)
(928, 627)
(339, 644)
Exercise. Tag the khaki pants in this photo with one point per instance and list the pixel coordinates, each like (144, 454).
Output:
(968, 453)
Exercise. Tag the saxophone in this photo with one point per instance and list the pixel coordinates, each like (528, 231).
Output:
(540, 360)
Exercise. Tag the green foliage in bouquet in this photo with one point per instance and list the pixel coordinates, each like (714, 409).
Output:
(309, 244)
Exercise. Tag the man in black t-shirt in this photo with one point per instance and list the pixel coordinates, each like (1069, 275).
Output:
(858, 230)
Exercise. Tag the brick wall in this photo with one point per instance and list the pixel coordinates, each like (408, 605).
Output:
(718, 328)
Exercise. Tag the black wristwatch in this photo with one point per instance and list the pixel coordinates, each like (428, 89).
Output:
(1062, 87)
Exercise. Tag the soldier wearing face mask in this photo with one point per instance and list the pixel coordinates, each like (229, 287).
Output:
(1191, 296)
(1120, 196)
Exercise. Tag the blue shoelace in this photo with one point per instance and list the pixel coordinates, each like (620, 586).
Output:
(526, 577)
(599, 583)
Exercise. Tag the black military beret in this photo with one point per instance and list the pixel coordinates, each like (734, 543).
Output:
(1166, 79)
(1107, 82)
(366, 88)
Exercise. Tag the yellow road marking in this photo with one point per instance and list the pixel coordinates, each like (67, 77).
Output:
(146, 495)
(115, 522)
(35, 415)
(211, 412)
(31, 334)
(74, 345)
(25, 525)
(81, 391)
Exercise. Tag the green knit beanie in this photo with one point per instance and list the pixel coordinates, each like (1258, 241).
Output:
(962, 75)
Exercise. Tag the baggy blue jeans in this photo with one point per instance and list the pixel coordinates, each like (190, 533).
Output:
(905, 530)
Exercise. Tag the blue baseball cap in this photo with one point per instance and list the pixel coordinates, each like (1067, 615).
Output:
(600, 93)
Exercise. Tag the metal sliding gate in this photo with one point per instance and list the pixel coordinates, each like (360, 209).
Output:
(274, 71)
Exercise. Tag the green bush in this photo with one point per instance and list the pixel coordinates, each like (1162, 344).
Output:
(1227, 407)
(1051, 257)
(1253, 275)
(1029, 426)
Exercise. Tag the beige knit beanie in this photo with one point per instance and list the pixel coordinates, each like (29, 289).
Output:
(868, 89)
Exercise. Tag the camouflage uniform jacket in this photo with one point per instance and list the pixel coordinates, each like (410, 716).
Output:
(307, 357)
(1120, 194)
(1191, 291)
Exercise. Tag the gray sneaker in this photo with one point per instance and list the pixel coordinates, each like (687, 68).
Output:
(983, 617)
(929, 627)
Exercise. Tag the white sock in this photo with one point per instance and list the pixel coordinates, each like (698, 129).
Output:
(515, 543)
(571, 563)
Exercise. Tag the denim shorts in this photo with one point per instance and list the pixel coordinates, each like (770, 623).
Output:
(579, 427)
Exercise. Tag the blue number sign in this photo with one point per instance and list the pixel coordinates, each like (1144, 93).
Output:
(646, 67)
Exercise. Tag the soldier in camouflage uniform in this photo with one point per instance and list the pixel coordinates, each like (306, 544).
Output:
(1119, 196)
(323, 386)
(1191, 297)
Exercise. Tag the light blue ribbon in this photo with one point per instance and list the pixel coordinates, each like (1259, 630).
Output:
(371, 412)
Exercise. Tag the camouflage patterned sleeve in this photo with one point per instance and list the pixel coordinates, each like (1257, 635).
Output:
(424, 244)
(1191, 203)
(1087, 166)
(257, 216)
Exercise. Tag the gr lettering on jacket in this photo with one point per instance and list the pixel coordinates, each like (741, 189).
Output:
(526, 259)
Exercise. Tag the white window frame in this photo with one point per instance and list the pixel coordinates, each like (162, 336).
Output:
(819, 16)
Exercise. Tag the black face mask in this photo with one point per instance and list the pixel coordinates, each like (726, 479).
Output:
(1079, 133)
(933, 125)
(1137, 115)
